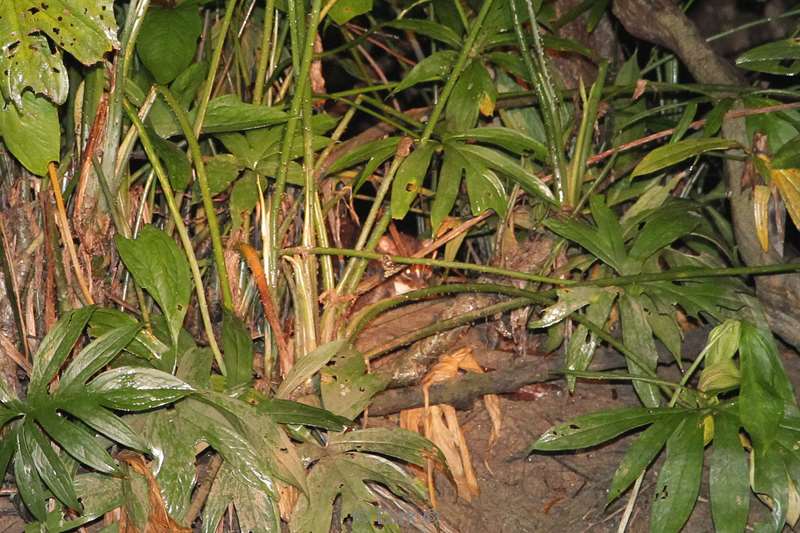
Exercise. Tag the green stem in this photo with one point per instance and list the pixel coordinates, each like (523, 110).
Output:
(183, 233)
(263, 58)
(205, 191)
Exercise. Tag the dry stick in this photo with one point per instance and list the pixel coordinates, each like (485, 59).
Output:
(203, 490)
(97, 129)
(270, 312)
(12, 291)
(66, 234)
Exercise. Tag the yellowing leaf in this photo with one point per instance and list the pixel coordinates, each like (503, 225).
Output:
(761, 214)
(788, 182)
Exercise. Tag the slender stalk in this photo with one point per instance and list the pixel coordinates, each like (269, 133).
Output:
(183, 233)
(263, 58)
(205, 191)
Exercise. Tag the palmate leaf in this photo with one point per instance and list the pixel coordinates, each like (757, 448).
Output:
(401, 444)
(256, 511)
(346, 476)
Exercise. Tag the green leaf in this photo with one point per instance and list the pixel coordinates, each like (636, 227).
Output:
(728, 478)
(788, 156)
(436, 66)
(638, 337)
(29, 484)
(381, 149)
(764, 388)
(77, 441)
(105, 422)
(237, 350)
(308, 365)
(582, 343)
(289, 412)
(345, 385)
(177, 165)
(392, 442)
(670, 154)
(409, 179)
(596, 428)
(506, 138)
(503, 164)
(228, 113)
(56, 347)
(222, 170)
(31, 132)
(447, 190)
(344, 10)
(167, 40)
(779, 57)
(344, 477)
(608, 228)
(160, 268)
(679, 480)
(428, 28)
(586, 236)
(136, 389)
(769, 478)
(26, 61)
(473, 87)
(661, 231)
(144, 344)
(49, 465)
(641, 453)
(95, 356)
(194, 367)
(570, 300)
(255, 510)
(721, 346)
(485, 191)
(99, 495)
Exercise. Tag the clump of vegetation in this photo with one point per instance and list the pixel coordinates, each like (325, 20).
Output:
(207, 205)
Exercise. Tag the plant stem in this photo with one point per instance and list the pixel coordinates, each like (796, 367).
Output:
(263, 58)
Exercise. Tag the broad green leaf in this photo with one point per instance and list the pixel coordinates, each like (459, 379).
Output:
(8, 445)
(715, 117)
(569, 300)
(167, 40)
(136, 389)
(770, 482)
(641, 453)
(289, 412)
(344, 477)
(608, 228)
(679, 480)
(409, 179)
(485, 191)
(26, 61)
(661, 231)
(99, 494)
(596, 428)
(381, 149)
(428, 28)
(194, 367)
(95, 356)
(582, 343)
(105, 422)
(222, 170)
(29, 484)
(788, 156)
(434, 67)
(346, 386)
(473, 90)
(586, 236)
(31, 132)
(344, 10)
(506, 138)
(392, 442)
(638, 337)
(666, 329)
(308, 365)
(503, 164)
(779, 57)
(177, 165)
(237, 350)
(764, 388)
(160, 268)
(49, 465)
(670, 154)
(228, 113)
(144, 345)
(447, 191)
(255, 510)
(56, 347)
(77, 441)
(728, 478)
(244, 197)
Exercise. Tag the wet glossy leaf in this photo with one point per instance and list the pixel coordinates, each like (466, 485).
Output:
(237, 348)
(136, 389)
(582, 343)
(679, 480)
(661, 231)
(160, 268)
(104, 422)
(641, 453)
(608, 228)
(49, 465)
(222, 170)
(668, 155)
(638, 337)
(506, 138)
(409, 179)
(434, 67)
(779, 57)
(381, 149)
(30, 486)
(31, 132)
(596, 428)
(485, 191)
(308, 365)
(569, 300)
(289, 412)
(586, 236)
(472, 87)
(167, 40)
(729, 483)
(346, 386)
(392, 442)
(77, 441)
(255, 510)
(447, 191)
(344, 476)
(95, 356)
(56, 347)
(144, 345)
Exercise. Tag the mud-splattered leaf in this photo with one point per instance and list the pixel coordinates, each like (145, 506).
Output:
(569, 301)
(346, 386)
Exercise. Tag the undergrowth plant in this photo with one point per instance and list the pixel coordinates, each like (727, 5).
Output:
(207, 193)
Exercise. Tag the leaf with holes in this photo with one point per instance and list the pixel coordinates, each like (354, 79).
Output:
(346, 386)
